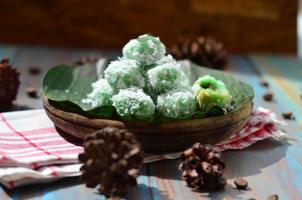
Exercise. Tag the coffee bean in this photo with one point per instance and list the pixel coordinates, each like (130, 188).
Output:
(31, 92)
(268, 96)
(227, 198)
(241, 183)
(273, 197)
(34, 70)
(87, 59)
(264, 83)
(288, 115)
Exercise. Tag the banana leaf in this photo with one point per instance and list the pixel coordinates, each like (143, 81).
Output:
(66, 86)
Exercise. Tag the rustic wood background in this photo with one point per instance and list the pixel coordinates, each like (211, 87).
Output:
(243, 25)
(270, 167)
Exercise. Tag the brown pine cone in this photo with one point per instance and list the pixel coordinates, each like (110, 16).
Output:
(202, 167)
(9, 84)
(112, 160)
(205, 51)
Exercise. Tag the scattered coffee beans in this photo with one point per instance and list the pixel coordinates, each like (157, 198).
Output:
(288, 115)
(268, 96)
(241, 183)
(273, 197)
(264, 83)
(32, 92)
(87, 59)
(227, 198)
(34, 70)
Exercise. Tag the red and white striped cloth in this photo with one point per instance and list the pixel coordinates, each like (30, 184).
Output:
(32, 151)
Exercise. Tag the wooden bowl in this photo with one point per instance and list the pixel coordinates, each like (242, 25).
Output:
(156, 137)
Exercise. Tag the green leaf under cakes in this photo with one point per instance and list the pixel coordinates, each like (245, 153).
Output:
(66, 86)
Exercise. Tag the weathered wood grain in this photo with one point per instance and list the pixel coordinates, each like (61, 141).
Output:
(284, 74)
(269, 166)
(73, 188)
(23, 58)
(242, 25)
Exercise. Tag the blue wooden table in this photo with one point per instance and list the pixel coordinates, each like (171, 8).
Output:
(270, 167)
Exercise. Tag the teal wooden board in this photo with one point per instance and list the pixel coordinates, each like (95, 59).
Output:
(269, 166)
(265, 165)
(285, 77)
(23, 58)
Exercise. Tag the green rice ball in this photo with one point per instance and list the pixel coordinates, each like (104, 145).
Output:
(166, 77)
(211, 92)
(166, 59)
(146, 49)
(122, 74)
(101, 94)
(133, 103)
(177, 104)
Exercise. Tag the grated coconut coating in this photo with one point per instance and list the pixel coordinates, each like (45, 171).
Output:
(145, 49)
(133, 103)
(122, 74)
(166, 77)
(177, 104)
(101, 94)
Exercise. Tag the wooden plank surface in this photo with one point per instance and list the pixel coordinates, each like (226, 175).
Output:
(269, 166)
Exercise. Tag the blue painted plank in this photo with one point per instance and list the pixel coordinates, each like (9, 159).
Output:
(23, 58)
(270, 167)
(285, 74)
(282, 74)
(266, 165)
(7, 51)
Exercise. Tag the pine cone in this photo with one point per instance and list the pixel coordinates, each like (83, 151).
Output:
(204, 51)
(202, 167)
(112, 159)
(9, 84)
